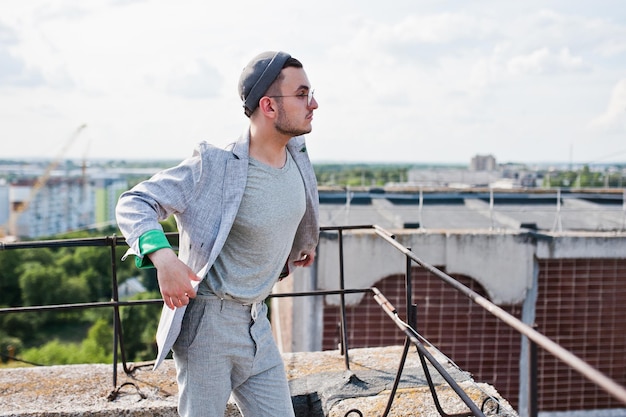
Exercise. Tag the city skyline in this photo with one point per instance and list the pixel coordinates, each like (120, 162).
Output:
(427, 82)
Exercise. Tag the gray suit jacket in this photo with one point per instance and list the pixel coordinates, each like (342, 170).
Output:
(203, 193)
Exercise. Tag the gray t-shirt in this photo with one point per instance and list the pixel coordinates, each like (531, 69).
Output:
(262, 235)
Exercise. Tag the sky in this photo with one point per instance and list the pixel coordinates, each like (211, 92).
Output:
(407, 81)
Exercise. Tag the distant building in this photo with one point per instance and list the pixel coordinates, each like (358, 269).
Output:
(130, 287)
(483, 163)
(450, 177)
(107, 191)
(4, 203)
(60, 205)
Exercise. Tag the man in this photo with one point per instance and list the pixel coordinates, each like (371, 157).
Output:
(241, 213)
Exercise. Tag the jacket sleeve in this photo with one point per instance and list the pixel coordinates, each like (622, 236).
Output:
(168, 192)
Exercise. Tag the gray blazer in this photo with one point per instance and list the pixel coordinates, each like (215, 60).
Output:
(203, 193)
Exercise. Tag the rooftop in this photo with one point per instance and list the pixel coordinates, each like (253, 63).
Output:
(320, 385)
(597, 210)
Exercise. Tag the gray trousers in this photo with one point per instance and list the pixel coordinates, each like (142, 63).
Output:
(221, 350)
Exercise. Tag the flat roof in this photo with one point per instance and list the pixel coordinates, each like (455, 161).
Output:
(549, 210)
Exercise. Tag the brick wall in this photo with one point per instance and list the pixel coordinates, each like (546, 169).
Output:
(581, 305)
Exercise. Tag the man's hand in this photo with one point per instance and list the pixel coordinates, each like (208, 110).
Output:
(307, 260)
(174, 278)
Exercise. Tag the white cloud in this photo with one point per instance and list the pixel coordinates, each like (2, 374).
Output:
(200, 81)
(545, 61)
(438, 28)
(425, 81)
(614, 117)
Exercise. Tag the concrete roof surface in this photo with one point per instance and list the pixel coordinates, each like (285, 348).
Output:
(78, 390)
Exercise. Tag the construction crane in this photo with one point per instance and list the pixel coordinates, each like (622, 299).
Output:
(16, 210)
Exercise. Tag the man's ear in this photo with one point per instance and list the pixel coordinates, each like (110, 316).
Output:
(266, 106)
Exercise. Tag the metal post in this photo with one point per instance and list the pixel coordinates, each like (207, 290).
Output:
(491, 208)
(115, 298)
(421, 208)
(408, 287)
(558, 227)
(624, 210)
(344, 330)
(532, 404)
(412, 320)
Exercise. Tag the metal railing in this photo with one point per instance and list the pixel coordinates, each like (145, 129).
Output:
(536, 338)
(407, 326)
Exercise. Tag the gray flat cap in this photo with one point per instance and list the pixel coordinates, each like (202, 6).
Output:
(258, 75)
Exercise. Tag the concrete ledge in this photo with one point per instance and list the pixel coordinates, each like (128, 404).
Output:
(320, 385)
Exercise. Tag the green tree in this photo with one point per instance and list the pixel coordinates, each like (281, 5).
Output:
(57, 353)
(139, 324)
(101, 333)
(49, 284)
(586, 177)
(8, 346)
(17, 327)
(52, 353)
(360, 174)
(98, 346)
(69, 275)
(10, 294)
(93, 265)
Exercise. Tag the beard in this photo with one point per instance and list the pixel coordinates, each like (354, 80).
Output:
(286, 126)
